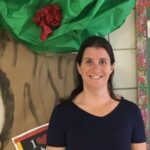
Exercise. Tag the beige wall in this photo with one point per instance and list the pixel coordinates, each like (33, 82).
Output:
(124, 43)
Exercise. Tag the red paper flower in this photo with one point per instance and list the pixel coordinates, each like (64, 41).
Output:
(48, 18)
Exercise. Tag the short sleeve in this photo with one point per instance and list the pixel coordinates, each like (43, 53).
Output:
(56, 133)
(138, 134)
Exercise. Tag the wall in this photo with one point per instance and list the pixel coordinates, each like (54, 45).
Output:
(124, 43)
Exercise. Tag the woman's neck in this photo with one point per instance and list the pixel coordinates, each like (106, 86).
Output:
(95, 96)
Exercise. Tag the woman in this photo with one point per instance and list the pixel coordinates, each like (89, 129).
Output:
(93, 117)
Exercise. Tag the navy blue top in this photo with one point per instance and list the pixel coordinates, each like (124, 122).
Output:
(76, 129)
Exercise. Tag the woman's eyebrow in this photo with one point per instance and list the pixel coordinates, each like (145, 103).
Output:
(103, 58)
(87, 58)
(98, 59)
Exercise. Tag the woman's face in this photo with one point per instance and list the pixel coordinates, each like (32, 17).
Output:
(95, 68)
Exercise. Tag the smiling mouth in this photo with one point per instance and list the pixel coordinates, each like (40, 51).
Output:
(95, 77)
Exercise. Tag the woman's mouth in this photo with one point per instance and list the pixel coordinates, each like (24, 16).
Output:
(95, 76)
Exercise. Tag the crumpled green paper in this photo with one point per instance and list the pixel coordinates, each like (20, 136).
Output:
(81, 18)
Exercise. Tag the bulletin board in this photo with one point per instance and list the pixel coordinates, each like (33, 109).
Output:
(143, 61)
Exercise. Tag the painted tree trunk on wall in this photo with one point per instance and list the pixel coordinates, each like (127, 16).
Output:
(30, 86)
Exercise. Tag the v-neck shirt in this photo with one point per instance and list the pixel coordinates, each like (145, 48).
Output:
(76, 129)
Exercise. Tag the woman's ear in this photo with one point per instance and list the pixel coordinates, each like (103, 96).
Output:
(112, 67)
(78, 68)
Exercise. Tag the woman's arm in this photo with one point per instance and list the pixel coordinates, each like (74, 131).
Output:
(55, 148)
(138, 146)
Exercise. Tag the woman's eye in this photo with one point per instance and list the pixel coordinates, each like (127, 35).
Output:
(102, 62)
(88, 62)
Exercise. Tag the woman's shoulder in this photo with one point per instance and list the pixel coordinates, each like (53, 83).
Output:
(129, 105)
(63, 107)
(64, 104)
(128, 102)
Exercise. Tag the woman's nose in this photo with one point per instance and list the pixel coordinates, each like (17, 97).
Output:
(96, 67)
